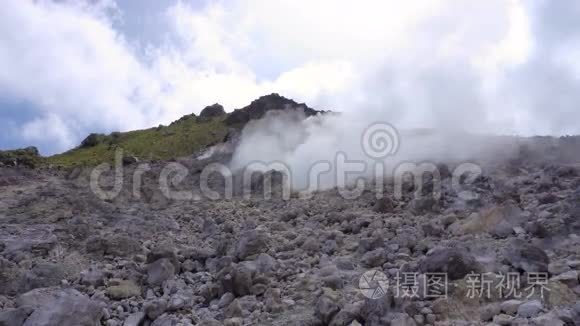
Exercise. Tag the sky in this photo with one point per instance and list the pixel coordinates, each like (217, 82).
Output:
(72, 67)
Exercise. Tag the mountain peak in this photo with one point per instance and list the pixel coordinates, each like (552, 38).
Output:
(258, 108)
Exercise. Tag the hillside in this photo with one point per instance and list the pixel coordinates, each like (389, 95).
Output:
(147, 258)
(186, 136)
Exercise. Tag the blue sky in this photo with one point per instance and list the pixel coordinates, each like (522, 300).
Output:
(68, 68)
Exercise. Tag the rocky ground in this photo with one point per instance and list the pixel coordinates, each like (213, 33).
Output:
(70, 258)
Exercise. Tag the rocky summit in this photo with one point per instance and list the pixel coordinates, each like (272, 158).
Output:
(503, 250)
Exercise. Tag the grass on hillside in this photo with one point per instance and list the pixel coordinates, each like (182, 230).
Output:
(181, 138)
(28, 157)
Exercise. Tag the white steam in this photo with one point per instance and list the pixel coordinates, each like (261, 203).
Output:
(307, 146)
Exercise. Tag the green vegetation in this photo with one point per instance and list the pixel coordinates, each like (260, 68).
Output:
(28, 157)
(183, 137)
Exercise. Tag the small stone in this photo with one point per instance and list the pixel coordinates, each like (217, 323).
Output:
(237, 321)
(487, 312)
(548, 320)
(374, 258)
(455, 262)
(510, 307)
(530, 309)
(273, 300)
(226, 299)
(155, 308)
(252, 243)
(431, 318)
(569, 278)
(135, 319)
(326, 307)
(557, 268)
(159, 271)
(234, 309)
(17, 316)
(419, 319)
(503, 320)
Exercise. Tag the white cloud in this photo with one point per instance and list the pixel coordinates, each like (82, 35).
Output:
(428, 63)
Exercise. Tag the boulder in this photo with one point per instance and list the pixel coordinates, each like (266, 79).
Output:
(526, 257)
(374, 258)
(43, 275)
(121, 245)
(498, 221)
(455, 262)
(135, 319)
(251, 243)
(15, 317)
(384, 205)
(164, 250)
(160, 271)
(530, 309)
(212, 111)
(155, 308)
(326, 308)
(60, 307)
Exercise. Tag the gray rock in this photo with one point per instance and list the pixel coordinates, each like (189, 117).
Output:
(14, 317)
(155, 308)
(311, 245)
(454, 261)
(43, 275)
(265, 263)
(424, 204)
(374, 258)
(488, 311)
(226, 299)
(10, 277)
(569, 278)
(402, 319)
(160, 271)
(273, 300)
(510, 307)
(236, 321)
(503, 320)
(60, 307)
(526, 257)
(165, 320)
(242, 280)
(135, 319)
(548, 320)
(346, 315)
(530, 309)
(432, 229)
(234, 309)
(121, 245)
(384, 205)
(557, 268)
(326, 308)
(251, 243)
(164, 250)
(212, 111)
(92, 277)
(183, 299)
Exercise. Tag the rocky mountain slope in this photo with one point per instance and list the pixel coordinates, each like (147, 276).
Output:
(68, 257)
(186, 136)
